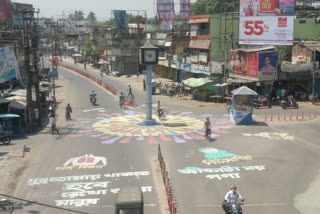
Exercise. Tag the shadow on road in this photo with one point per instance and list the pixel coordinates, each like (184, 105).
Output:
(25, 203)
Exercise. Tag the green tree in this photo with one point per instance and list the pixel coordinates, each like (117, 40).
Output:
(92, 17)
(80, 15)
(214, 6)
(110, 23)
(136, 19)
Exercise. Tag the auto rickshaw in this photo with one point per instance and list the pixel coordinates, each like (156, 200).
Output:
(129, 201)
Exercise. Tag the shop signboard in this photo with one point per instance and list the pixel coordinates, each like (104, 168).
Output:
(8, 65)
(253, 65)
(266, 22)
(5, 11)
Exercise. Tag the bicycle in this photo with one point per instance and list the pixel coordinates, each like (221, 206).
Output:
(6, 206)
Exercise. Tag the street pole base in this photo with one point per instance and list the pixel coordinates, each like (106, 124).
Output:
(151, 122)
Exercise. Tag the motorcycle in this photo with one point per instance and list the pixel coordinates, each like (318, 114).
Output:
(235, 208)
(51, 111)
(261, 102)
(162, 114)
(276, 101)
(289, 104)
(5, 139)
(93, 100)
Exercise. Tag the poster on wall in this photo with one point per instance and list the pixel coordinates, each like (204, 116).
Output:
(8, 65)
(5, 11)
(267, 65)
(238, 63)
(166, 14)
(184, 10)
(266, 22)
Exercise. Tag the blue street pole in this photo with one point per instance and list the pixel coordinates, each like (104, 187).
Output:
(149, 121)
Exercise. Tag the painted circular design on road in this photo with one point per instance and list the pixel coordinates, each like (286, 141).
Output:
(129, 125)
(179, 127)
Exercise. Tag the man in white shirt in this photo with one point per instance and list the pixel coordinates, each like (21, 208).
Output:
(232, 197)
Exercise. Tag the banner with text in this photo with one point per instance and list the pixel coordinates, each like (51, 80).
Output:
(8, 65)
(266, 22)
(165, 13)
(5, 11)
(184, 10)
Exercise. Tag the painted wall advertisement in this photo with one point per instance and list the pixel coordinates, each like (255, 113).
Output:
(184, 10)
(5, 11)
(165, 13)
(266, 22)
(254, 65)
(8, 65)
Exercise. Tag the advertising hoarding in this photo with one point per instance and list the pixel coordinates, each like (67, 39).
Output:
(254, 65)
(184, 10)
(121, 20)
(266, 22)
(165, 10)
(267, 65)
(8, 65)
(5, 11)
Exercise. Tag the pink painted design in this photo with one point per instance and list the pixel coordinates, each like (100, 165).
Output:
(178, 140)
(152, 140)
(163, 138)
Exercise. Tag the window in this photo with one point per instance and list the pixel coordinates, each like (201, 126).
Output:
(204, 29)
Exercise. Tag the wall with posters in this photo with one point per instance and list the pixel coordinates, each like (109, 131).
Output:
(266, 22)
(260, 66)
(184, 10)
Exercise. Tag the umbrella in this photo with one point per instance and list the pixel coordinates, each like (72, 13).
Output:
(103, 62)
(196, 82)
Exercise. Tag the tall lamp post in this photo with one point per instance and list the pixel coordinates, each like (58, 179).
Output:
(149, 56)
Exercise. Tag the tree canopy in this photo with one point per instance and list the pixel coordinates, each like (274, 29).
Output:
(92, 17)
(80, 16)
(214, 6)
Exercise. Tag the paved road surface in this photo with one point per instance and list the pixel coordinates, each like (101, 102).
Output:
(269, 164)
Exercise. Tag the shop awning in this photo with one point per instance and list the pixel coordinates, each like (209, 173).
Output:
(4, 101)
(201, 44)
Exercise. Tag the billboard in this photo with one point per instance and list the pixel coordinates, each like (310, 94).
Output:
(266, 22)
(165, 13)
(121, 20)
(16, 14)
(184, 10)
(5, 11)
(8, 65)
(254, 65)
(267, 65)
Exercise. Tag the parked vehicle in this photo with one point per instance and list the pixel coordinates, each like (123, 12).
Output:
(289, 103)
(262, 102)
(6, 206)
(5, 138)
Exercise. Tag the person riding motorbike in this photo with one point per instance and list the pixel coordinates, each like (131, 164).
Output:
(232, 197)
(92, 95)
(207, 126)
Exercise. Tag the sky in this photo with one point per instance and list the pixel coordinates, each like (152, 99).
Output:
(102, 8)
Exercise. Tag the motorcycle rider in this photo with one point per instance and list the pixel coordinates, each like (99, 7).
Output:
(92, 95)
(207, 126)
(232, 197)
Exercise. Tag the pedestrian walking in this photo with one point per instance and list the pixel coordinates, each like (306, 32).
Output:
(54, 125)
(130, 91)
(68, 112)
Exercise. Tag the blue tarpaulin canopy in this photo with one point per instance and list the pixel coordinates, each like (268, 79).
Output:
(9, 116)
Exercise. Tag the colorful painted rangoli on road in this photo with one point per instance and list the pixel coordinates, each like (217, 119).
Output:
(126, 127)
